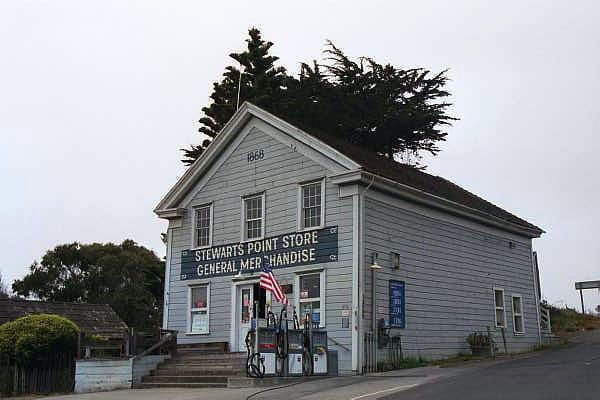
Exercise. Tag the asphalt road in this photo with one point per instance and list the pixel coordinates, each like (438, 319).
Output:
(571, 372)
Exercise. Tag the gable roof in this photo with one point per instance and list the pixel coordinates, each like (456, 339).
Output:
(98, 319)
(350, 157)
(415, 178)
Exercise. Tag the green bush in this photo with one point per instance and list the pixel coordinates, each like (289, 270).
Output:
(35, 339)
(480, 343)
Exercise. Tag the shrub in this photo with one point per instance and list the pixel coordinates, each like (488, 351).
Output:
(35, 339)
(479, 342)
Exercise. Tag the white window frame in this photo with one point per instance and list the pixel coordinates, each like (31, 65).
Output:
(496, 308)
(210, 228)
(321, 297)
(515, 315)
(243, 217)
(301, 226)
(190, 309)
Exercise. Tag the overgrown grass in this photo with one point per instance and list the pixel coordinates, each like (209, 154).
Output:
(569, 320)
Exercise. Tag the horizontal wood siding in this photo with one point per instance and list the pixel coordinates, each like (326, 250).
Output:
(278, 175)
(450, 270)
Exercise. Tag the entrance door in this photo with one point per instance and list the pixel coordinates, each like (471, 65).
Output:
(245, 301)
(246, 296)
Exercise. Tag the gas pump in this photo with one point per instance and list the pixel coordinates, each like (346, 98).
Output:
(295, 352)
(296, 339)
(319, 352)
(281, 345)
(266, 344)
(255, 366)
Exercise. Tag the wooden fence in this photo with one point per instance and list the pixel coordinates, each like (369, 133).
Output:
(53, 376)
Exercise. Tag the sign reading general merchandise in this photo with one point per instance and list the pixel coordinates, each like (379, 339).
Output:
(282, 251)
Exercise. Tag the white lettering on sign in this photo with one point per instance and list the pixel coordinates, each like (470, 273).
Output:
(290, 249)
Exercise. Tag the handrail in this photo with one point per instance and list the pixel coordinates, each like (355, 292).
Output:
(170, 334)
(338, 343)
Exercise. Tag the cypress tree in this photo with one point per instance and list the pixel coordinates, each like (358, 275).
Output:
(262, 83)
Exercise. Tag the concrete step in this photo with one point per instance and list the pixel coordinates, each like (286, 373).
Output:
(179, 385)
(209, 356)
(162, 371)
(204, 363)
(184, 379)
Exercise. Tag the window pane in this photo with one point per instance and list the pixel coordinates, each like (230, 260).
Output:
(245, 306)
(310, 286)
(499, 318)
(517, 305)
(518, 324)
(203, 226)
(311, 205)
(199, 322)
(498, 294)
(198, 297)
(253, 217)
(313, 308)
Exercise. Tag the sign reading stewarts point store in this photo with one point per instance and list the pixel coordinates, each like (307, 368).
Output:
(282, 251)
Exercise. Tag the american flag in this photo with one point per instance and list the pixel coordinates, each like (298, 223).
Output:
(268, 282)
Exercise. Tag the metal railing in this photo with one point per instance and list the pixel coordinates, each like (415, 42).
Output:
(370, 349)
(390, 355)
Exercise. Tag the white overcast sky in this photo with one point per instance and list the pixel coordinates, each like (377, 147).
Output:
(96, 98)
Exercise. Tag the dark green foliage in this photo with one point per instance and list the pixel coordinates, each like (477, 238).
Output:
(390, 111)
(35, 339)
(262, 83)
(128, 277)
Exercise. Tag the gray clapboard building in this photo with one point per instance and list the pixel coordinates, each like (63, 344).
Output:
(321, 212)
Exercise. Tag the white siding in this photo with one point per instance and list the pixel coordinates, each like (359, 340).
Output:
(278, 174)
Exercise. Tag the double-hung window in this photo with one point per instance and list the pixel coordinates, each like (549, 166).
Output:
(311, 297)
(253, 221)
(517, 308)
(202, 226)
(499, 307)
(311, 213)
(199, 298)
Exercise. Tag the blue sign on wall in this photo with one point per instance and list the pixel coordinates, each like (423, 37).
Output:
(397, 305)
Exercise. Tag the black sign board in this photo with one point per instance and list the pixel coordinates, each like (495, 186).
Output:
(282, 251)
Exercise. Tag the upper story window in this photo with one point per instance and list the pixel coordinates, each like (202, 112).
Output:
(311, 213)
(202, 226)
(499, 307)
(253, 217)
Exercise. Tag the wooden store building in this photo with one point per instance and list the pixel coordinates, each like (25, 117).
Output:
(333, 218)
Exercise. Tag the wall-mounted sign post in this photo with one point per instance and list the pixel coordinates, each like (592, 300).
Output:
(586, 285)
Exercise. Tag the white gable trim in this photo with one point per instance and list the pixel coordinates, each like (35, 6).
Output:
(180, 191)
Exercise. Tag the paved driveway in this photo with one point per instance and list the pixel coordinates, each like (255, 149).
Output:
(569, 373)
